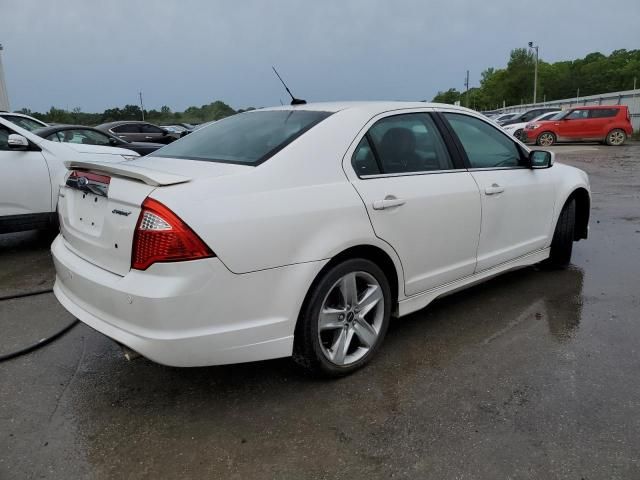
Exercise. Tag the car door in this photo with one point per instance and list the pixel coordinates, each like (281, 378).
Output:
(128, 131)
(573, 126)
(25, 187)
(154, 134)
(419, 198)
(517, 202)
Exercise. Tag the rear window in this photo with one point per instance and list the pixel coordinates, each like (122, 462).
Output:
(246, 138)
(604, 112)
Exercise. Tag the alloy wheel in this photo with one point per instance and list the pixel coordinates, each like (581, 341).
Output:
(351, 317)
(546, 140)
(616, 137)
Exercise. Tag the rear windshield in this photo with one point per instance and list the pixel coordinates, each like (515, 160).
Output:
(246, 138)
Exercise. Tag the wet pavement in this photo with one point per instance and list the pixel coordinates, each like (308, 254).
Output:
(531, 375)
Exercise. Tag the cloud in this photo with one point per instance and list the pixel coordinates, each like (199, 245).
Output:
(96, 55)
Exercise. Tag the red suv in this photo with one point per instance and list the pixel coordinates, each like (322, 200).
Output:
(609, 124)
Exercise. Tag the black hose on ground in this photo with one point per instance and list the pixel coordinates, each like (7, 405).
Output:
(42, 342)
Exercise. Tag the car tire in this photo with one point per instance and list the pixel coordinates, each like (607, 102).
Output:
(518, 134)
(563, 236)
(546, 139)
(343, 339)
(616, 137)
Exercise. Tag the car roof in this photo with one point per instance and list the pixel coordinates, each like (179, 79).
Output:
(596, 107)
(59, 128)
(123, 122)
(365, 106)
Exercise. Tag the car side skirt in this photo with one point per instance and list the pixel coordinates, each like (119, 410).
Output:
(416, 302)
(29, 221)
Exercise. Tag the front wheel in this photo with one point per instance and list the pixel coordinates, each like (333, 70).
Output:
(546, 139)
(562, 243)
(616, 137)
(344, 319)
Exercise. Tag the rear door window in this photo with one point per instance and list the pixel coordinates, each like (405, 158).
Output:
(402, 144)
(127, 128)
(604, 112)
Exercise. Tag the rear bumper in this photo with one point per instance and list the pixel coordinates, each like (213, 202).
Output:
(187, 313)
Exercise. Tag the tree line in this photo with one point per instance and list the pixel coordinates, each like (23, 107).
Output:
(206, 113)
(595, 73)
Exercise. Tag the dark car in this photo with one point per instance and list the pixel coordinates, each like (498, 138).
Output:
(528, 115)
(93, 136)
(137, 131)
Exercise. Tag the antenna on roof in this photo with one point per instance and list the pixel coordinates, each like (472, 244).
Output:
(294, 100)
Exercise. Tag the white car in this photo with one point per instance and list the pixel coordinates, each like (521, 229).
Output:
(32, 170)
(24, 121)
(300, 230)
(516, 129)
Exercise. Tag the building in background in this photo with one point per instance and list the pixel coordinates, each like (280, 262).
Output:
(4, 96)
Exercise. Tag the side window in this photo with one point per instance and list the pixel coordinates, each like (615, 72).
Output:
(578, 115)
(363, 160)
(127, 128)
(54, 137)
(146, 128)
(4, 138)
(604, 112)
(404, 144)
(531, 115)
(485, 146)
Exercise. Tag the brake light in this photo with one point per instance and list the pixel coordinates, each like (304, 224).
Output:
(161, 236)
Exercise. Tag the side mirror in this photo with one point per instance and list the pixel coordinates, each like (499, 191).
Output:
(541, 159)
(17, 142)
(113, 141)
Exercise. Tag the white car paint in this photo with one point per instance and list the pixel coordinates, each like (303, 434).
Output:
(274, 227)
(514, 127)
(30, 179)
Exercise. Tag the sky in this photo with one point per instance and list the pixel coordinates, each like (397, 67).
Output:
(99, 54)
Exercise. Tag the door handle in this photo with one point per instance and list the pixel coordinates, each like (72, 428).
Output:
(494, 189)
(389, 202)
(148, 137)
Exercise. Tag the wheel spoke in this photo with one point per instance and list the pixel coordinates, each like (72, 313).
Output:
(349, 289)
(365, 332)
(341, 346)
(371, 298)
(329, 319)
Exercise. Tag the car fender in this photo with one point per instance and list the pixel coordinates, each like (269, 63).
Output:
(569, 179)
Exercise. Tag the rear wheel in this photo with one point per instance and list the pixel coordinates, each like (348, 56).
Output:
(344, 319)
(616, 137)
(562, 243)
(546, 139)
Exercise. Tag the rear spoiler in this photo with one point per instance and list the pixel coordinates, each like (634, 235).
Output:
(155, 178)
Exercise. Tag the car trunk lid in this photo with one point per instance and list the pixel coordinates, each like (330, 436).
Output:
(100, 203)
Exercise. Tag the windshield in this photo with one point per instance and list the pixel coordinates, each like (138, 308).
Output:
(245, 138)
(24, 122)
(546, 116)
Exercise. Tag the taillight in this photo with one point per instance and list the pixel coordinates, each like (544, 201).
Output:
(161, 236)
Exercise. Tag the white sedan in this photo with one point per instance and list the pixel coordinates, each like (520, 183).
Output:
(516, 129)
(32, 170)
(301, 230)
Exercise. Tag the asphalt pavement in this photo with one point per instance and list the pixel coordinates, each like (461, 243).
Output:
(533, 375)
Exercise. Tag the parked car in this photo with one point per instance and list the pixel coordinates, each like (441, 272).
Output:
(300, 230)
(528, 115)
(136, 131)
(503, 117)
(25, 121)
(516, 129)
(93, 136)
(32, 171)
(610, 124)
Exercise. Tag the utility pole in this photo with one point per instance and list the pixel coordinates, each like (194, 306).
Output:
(141, 105)
(4, 96)
(535, 73)
(466, 92)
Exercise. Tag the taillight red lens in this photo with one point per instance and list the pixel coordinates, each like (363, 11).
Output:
(161, 236)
